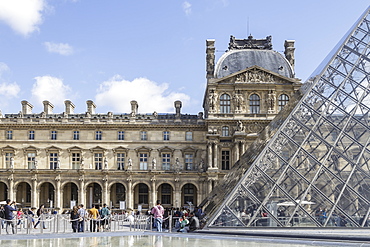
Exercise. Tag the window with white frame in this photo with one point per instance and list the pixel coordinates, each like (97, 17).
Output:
(31, 157)
(98, 161)
(283, 100)
(31, 135)
(166, 161)
(53, 160)
(143, 136)
(9, 134)
(143, 159)
(188, 136)
(76, 160)
(254, 104)
(53, 135)
(225, 160)
(225, 103)
(225, 131)
(76, 135)
(8, 159)
(121, 161)
(166, 135)
(98, 135)
(121, 135)
(189, 162)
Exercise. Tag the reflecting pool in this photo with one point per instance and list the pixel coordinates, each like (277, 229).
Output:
(157, 241)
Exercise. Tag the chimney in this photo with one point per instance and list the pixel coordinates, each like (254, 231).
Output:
(26, 107)
(90, 107)
(178, 105)
(48, 107)
(210, 58)
(70, 107)
(289, 51)
(134, 107)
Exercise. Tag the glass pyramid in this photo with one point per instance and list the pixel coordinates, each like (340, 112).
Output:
(311, 166)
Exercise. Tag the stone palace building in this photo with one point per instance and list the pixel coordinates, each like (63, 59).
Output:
(130, 160)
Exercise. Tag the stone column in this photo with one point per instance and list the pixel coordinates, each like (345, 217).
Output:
(105, 197)
(177, 197)
(209, 185)
(11, 188)
(130, 200)
(215, 156)
(58, 202)
(82, 191)
(209, 155)
(154, 192)
(34, 194)
(236, 150)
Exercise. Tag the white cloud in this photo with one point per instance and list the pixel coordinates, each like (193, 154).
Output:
(151, 96)
(23, 16)
(9, 90)
(186, 6)
(60, 48)
(50, 88)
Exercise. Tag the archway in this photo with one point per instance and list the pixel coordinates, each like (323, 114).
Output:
(188, 195)
(3, 191)
(47, 195)
(70, 195)
(165, 195)
(23, 194)
(117, 194)
(141, 193)
(93, 195)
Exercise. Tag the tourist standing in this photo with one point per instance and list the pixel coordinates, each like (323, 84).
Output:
(74, 218)
(39, 213)
(105, 213)
(158, 212)
(81, 218)
(93, 215)
(8, 211)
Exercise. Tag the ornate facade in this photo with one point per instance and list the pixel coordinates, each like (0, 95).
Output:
(133, 159)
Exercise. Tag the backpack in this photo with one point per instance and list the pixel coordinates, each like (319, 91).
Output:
(2, 214)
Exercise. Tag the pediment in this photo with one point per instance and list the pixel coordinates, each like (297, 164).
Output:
(256, 74)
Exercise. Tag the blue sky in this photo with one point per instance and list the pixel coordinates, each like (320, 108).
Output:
(115, 51)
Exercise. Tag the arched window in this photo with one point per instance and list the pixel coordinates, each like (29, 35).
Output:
(283, 100)
(254, 104)
(225, 103)
(225, 131)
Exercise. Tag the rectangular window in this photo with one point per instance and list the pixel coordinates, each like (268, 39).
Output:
(225, 160)
(189, 162)
(9, 134)
(143, 161)
(121, 135)
(98, 161)
(53, 160)
(8, 158)
(31, 135)
(98, 135)
(143, 136)
(31, 157)
(166, 135)
(76, 135)
(188, 136)
(166, 161)
(76, 160)
(121, 161)
(53, 135)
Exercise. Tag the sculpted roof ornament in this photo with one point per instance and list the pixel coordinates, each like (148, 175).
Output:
(250, 43)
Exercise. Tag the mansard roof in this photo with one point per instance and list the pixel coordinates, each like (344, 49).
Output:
(238, 59)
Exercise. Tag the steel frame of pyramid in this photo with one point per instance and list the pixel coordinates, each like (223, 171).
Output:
(311, 166)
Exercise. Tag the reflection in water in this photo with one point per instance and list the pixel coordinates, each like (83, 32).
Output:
(145, 240)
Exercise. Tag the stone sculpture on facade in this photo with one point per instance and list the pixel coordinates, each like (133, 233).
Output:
(129, 167)
(82, 165)
(271, 99)
(105, 163)
(239, 101)
(240, 127)
(11, 163)
(212, 100)
(154, 164)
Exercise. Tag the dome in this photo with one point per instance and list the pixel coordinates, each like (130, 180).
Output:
(236, 60)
